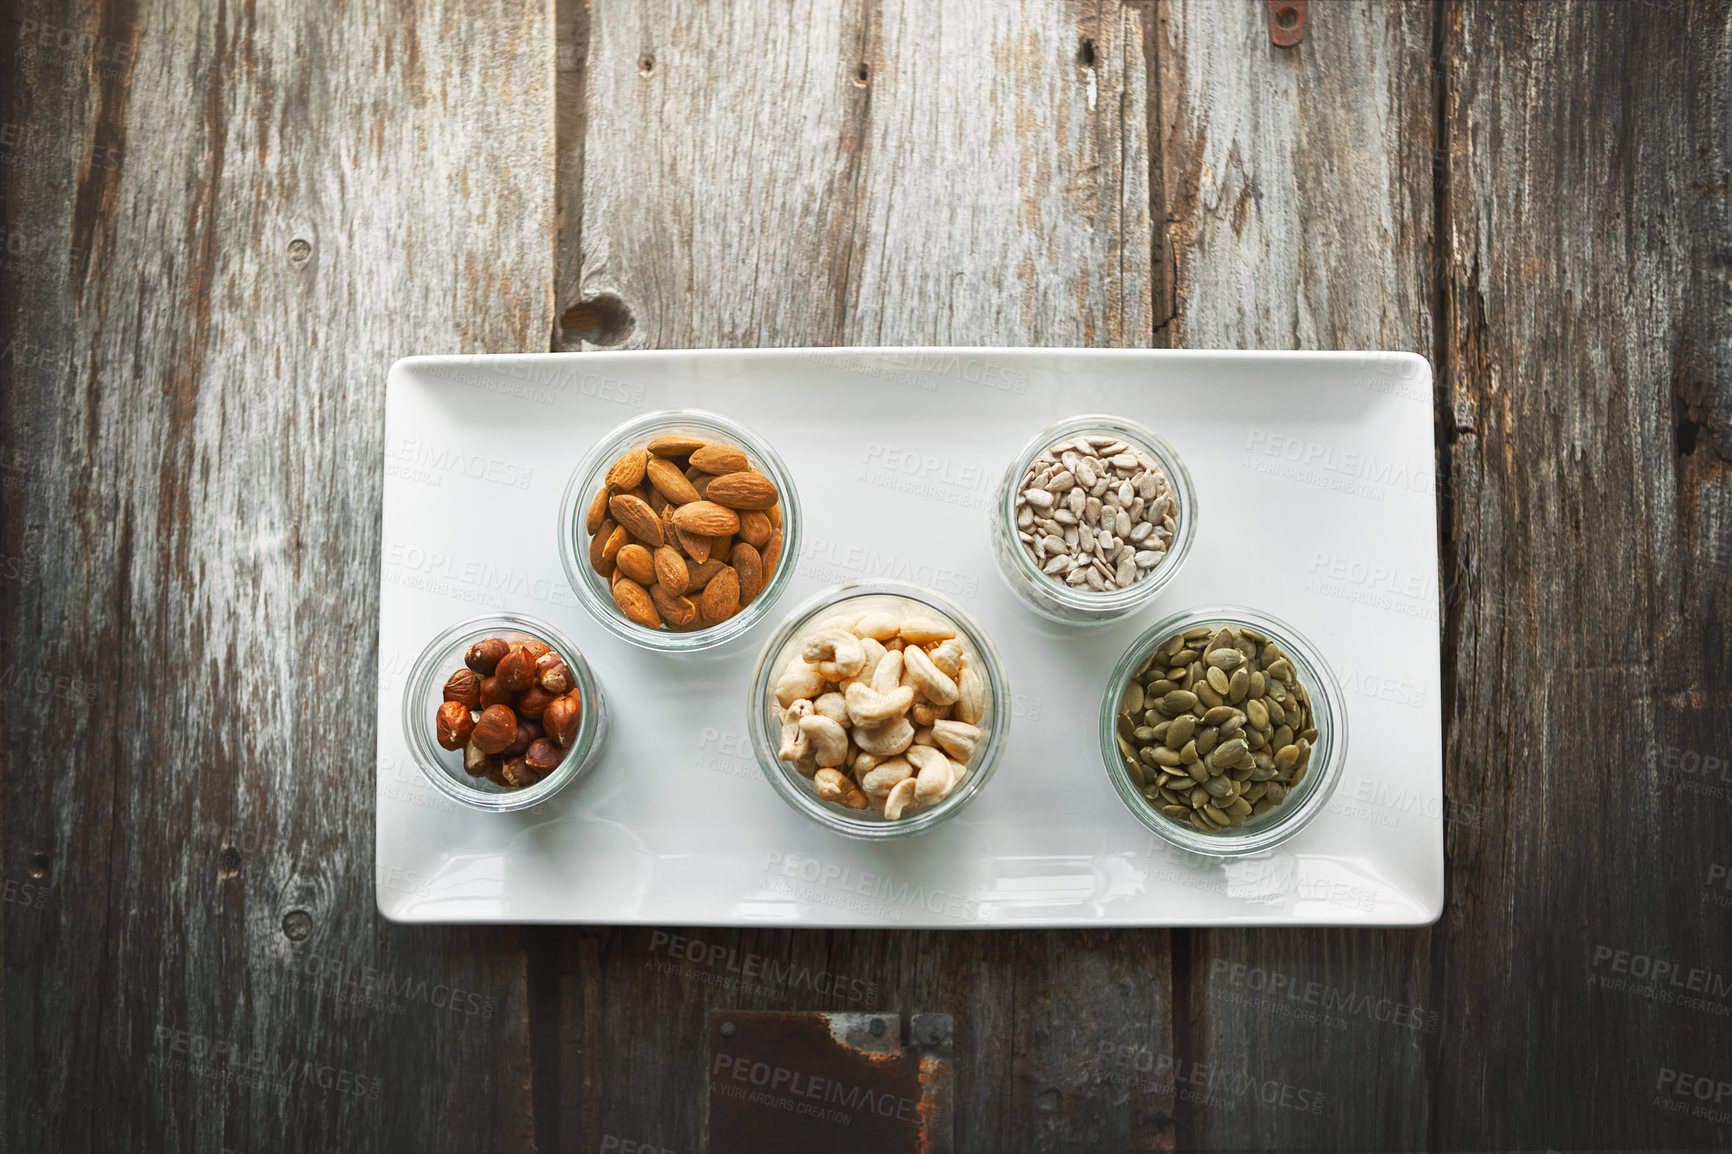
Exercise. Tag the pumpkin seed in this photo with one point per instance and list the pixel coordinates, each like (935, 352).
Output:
(1227, 659)
(1217, 680)
(1177, 702)
(1180, 731)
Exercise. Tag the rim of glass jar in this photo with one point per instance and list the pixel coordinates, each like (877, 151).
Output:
(592, 592)
(797, 791)
(1329, 752)
(1102, 606)
(447, 649)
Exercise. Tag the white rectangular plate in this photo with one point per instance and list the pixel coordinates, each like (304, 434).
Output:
(1314, 474)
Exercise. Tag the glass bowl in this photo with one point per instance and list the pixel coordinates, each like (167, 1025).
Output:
(588, 479)
(1328, 753)
(1050, 596)
(860, 597)
(425, 691)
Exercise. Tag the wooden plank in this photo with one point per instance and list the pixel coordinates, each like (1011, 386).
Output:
(843, 173)
(1588, 410)
(830, 172)
(233, 220)
(1298, 206)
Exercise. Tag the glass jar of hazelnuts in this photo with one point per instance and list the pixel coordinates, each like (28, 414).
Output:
(502, 712)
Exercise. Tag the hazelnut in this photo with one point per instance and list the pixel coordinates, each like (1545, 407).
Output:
(516, 670)
(476, 762)
(493, 693)
(527, 732)
(464, 686)
(536, 648)
(563, 717)
(518, 773)
(533, 700)
(553, 674)
(496, 773)
(483, 656)
(543, 755)
(496, 729)
(454, 724)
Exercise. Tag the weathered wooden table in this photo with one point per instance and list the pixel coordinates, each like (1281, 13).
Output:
(224, 221)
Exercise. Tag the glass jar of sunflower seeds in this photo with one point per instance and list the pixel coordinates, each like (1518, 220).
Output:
(1223, 730)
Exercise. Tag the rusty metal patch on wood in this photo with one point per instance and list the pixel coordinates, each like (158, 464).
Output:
(1286, 22)
(800, 1081)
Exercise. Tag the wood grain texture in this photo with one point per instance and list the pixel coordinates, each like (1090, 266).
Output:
(232, 220)
(1298, 187)
(843, 172)
(1588, 423)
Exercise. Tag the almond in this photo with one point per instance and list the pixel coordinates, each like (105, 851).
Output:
(679, 612)
(776, 514)
(634, 601)
(656, 501)
(598, 560)
(700, 481)
(772, 554)
(705, 518)
(597, 513)
(695, 546)
(700, 575)
(627, 472)
(675, 445)
(616, 541)
(750, 567)
(755, 528)
(635, 515)
(671, 571)
(719, 459)
(746, 489)
(721, 544)
(670, 482)
(721, 597)
(637, 563)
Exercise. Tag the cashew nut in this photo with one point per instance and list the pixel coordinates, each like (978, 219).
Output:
(923, 736)
(885, 740)
(919, 672)
(957, 738)
(800, 680)
(971, 696)
(937, 776)
(835, 786)
(879, 626)
(836, 652)
(833, 706)
(888, 675)
(899, 799)
(874, 654)
(920, 630)
(947, 655)
(864, 763)
(880, 781)
(794, 742)
(868, 707)
(829, 740)
(926, 713)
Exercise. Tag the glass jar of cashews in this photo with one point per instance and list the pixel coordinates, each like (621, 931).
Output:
(876, 709)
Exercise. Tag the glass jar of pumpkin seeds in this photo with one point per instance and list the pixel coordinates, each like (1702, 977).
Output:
(1223, 730)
